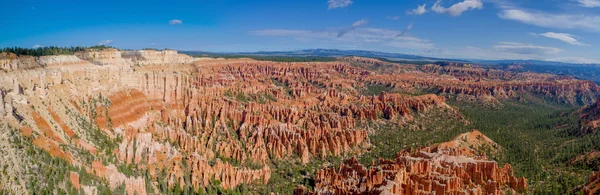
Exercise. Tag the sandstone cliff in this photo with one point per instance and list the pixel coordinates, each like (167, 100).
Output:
(188, 121)
(590, 118)
(152, 57)
(487, 86)
(421, 172)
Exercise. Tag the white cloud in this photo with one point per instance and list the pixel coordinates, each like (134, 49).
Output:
(105, 42)
(549, 20)
(458, 8)
(377, 37)
(175, 22)
(36, 46)
(470, 52)
(589, 3)
(412, 43)
(578, 60)
(533, 34)
(354, 26)
(360, 23)
(564, 37)
(358, 36)
(392, 17)
(420, 10)
(339, 3)
(525, 49)
(405, 30)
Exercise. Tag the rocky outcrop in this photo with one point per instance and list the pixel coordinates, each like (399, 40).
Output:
(61, 60)
(488, 86)
(133, 185)
(153, 57)
(103, 57)
(11, 62)
(135, 57)
(227, 120)
(230, 176)
(378, 65)
(74, 179)
(420, 172)
(593, 184)
(589, 119)
(472, 144)
(467, 71)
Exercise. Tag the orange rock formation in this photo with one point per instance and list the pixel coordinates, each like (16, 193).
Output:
(178, 117)
(593, 185)
(589, 120)
(423, 172)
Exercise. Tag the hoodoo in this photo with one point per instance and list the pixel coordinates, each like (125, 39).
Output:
(147, 121)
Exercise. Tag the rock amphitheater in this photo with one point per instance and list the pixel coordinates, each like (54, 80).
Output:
(199, 120)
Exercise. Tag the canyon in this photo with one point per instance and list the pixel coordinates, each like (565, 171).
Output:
(147, 121)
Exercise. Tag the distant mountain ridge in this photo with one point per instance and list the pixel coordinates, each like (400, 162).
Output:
(335, 53)
(375, 54)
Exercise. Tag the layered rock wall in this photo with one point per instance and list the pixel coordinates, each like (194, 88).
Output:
(420, 172)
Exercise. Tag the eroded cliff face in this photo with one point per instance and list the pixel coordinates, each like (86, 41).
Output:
(10, 61)
(487, 86)
(593, 184)
(112, 57)
(225, 121)
(221, 120)
(449, 168)
(152, 57)
(590, 118)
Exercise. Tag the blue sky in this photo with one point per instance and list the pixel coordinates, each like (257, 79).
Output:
(559, 30)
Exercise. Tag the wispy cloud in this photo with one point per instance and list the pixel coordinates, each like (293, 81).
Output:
(392, 17)
(294, 33)
(580, 60)
(405, 30)
(564, 37)
(470, 52)
(358, 35)
(525, 49)
(351, 28)
(36, 46)
(105, 42)
(458, 8)
(175, 22)
(588, 3)
(550, 20)
(360, 23)
(339, 3)
(412, 43)
(434, 51)
(420, 10)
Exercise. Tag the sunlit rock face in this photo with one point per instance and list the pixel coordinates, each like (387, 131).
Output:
(447, 168)
(198, 121)
(226, 119)
(152, 57)
(593, 184)
(589, 119)
(487, 86)
(10, 61)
